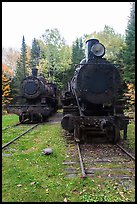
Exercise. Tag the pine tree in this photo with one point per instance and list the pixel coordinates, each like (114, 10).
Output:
(21, 70)
(35, 54)
(129, 53)
(23, 58)
(22, 64)
(77, 51)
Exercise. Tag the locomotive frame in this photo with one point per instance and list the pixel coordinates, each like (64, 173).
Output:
(95, 125)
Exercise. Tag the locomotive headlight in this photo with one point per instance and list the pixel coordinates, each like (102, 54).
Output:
(98, 50)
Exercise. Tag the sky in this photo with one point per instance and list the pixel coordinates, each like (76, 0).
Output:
(72, 19)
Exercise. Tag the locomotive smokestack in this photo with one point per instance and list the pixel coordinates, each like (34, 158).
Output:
(89, 44)
(34, 72)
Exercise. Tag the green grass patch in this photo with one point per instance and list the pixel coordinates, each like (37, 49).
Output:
(130, 142)
(30, 176)
(9, 119)
(131, 136)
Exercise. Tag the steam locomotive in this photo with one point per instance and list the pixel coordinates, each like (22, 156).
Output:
(41, 99)
(93, 103)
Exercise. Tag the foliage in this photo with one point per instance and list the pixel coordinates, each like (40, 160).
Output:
(23, 58)
(112, 41)
(56, 56)
(21, 70)
(131, 95)
(6, 70)
(127, 58)
(129, 52)
(53, 37)
(35, 54)
(6, 88)
(70, 57)
(77, 51)
(10, 57)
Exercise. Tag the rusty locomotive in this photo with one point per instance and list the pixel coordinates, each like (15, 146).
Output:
(40, 99)
(93, 103)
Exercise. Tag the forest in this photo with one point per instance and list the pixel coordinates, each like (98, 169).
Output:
(56, 60)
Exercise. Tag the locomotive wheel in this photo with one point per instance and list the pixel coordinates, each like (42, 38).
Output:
(79, 135)
(113, 134)
(22, 118)
(34, 118)
(67, 123)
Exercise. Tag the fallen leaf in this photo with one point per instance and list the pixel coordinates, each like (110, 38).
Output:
(116, 184)
(65, 200)
(32, 183)
(19, 185)
(121, 193)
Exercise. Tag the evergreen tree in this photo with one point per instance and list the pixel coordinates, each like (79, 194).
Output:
(77, 51)
(35, 54)
(23, 58)
(129, 53)
(21, 70)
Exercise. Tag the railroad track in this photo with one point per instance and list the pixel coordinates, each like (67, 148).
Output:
(98, 160)
(55, 118)
(105, 159)
(16, 138)
(14, 125)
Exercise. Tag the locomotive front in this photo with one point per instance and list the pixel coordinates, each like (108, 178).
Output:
(32, 87)
(96, 80)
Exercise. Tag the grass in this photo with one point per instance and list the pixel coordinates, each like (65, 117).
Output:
(130, 142)
(9, 119)
(131, 136)
(30, 176)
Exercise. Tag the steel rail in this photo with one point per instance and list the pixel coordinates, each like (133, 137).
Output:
(81, 162)
(4, 146)
(11, 126)
(26, 120)
(125, 152)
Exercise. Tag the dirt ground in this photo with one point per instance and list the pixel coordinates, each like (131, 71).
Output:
(56, 118)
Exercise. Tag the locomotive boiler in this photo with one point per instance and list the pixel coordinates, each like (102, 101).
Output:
(41, 98)
(92, 103)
